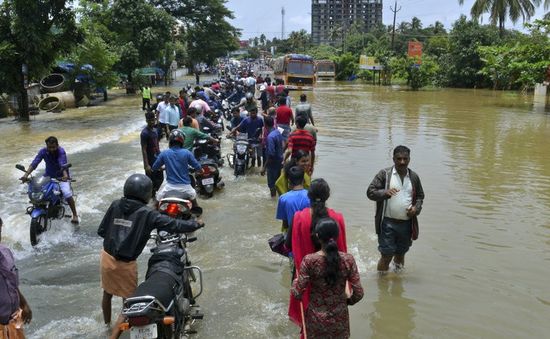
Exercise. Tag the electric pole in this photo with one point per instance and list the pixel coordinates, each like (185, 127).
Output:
(394, 10)
(282, 23)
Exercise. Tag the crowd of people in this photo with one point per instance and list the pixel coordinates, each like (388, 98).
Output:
(325, 278)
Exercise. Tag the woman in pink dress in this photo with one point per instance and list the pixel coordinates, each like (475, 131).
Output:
(326, 272)
(302, 240)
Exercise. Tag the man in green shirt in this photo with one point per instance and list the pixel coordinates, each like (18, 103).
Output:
(192, 133)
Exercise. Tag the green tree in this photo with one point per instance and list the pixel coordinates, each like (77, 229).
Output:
(263, 39)
(521, 63)
(462, 63)
(94, 51)
(346, 65)
(417, 74)
(34, 33)
(298, 41)
(142, 33)
(322, 52)
(208, 34)
(499, 10)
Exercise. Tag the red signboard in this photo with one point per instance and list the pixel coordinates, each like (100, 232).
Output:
(243, 43)
(415, 50)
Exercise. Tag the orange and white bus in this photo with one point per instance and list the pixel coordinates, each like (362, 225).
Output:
(325, 70)
(297, 71)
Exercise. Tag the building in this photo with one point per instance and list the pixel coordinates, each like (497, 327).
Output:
(331, 19)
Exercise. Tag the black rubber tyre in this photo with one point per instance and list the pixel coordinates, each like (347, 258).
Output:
(38, 225)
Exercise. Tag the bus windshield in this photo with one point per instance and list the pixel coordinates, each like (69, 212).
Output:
(298, 67)
(325, 67)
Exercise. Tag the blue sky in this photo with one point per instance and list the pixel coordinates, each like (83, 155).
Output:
(264, 16)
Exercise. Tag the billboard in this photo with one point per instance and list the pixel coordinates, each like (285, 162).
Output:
(415, 51)
(370, 63)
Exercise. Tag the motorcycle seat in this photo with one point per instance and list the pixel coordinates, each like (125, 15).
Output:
(177, 195)
(159, 285)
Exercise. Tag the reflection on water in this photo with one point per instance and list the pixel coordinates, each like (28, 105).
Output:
(393, 312)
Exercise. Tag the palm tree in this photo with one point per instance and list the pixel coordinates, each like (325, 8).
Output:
(262, 39)
(416, 24)
(500, 9)
(334, 34)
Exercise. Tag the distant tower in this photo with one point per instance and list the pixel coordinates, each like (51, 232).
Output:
(282, 23)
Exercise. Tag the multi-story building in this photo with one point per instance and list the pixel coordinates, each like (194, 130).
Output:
(331, 19)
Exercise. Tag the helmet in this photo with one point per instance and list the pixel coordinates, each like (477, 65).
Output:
(262, 88)
(160, 97)
(139, 187)
(249, 96)
(176, 136)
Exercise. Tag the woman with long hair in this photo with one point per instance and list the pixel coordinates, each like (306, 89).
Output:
(326, 272)
(302, 239)
(300, 158)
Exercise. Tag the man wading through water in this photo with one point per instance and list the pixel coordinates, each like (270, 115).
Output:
(399, 196)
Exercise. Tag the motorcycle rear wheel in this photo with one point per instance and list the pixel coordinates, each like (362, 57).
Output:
(38, 225)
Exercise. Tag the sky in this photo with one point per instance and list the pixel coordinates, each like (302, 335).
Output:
(255, 17)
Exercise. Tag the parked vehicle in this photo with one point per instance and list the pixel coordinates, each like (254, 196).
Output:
(47, 203)
(164, 305)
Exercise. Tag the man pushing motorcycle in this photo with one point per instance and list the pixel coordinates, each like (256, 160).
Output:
(55, 158)
(125, 229)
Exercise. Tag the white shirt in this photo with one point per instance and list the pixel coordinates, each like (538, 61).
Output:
(396, 206)
(162, 114)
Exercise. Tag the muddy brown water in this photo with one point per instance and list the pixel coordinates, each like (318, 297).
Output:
(480, 268)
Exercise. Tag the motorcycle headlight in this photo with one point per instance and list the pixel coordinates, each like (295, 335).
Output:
(241, 148)
(37, 196)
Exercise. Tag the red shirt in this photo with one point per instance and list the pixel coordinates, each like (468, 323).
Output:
(271, 91)
(301, 140)
(280, 89)
(181, 102)
(284, 115)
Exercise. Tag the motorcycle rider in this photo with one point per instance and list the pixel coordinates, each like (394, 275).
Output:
(191, 134)
(252, 125)
(248, 102)
(176, 161)
(125, 230)
(237, 95)
(55, 158)
(236, 117)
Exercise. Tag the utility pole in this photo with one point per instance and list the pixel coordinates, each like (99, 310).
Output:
(282, 23)
(394, 10)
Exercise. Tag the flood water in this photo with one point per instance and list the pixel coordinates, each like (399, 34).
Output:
(480, 268)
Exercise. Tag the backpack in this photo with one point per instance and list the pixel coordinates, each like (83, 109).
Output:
(9, 280)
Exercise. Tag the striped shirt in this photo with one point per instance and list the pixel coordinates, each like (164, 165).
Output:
(301, 140)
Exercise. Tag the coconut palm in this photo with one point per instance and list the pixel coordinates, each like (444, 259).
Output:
(499, 10)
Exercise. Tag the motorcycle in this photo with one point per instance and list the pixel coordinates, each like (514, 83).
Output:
(47, 203)
(203, 149)
(164, 305)
(244, 149)
(239, 160)
(210, 178)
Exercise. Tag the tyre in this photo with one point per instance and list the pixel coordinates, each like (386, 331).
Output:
(38, 225)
